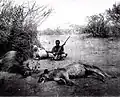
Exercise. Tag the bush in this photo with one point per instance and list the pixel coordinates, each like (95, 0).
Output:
(97, 26)
(18, 27)
(113, 15)
(56, 31)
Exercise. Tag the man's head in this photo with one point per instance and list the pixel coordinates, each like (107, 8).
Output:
(57, 42)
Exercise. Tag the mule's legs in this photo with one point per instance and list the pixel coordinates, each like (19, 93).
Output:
(58, 80)
(97, 74)
(66, 77)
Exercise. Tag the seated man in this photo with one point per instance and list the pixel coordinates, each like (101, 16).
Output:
(57, 51)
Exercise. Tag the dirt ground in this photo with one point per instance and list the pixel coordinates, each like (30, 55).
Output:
(104, 53)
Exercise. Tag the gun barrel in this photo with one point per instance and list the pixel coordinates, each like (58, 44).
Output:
(66, 40)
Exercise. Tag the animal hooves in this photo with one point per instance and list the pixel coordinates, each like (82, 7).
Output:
(61, 81)
(103, 81)
(113, 77)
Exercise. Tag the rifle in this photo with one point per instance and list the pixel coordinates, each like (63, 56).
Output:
(56, 56)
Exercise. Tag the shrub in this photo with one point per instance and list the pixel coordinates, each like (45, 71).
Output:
(113, 15)
(97, 26)
(18, 27)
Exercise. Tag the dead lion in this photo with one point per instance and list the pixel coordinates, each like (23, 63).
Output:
(11, 63)
(71, 71)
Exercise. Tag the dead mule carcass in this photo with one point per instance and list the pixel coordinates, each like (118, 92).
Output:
(72, 71)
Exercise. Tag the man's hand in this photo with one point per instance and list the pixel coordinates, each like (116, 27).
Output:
(54, 53)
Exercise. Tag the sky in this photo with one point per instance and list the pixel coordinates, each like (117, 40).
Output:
(71, 11)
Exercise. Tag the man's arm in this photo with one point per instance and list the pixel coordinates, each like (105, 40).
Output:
(53, 49)
(62, 49)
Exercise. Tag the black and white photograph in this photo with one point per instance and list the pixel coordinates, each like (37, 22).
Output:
(59, 48)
